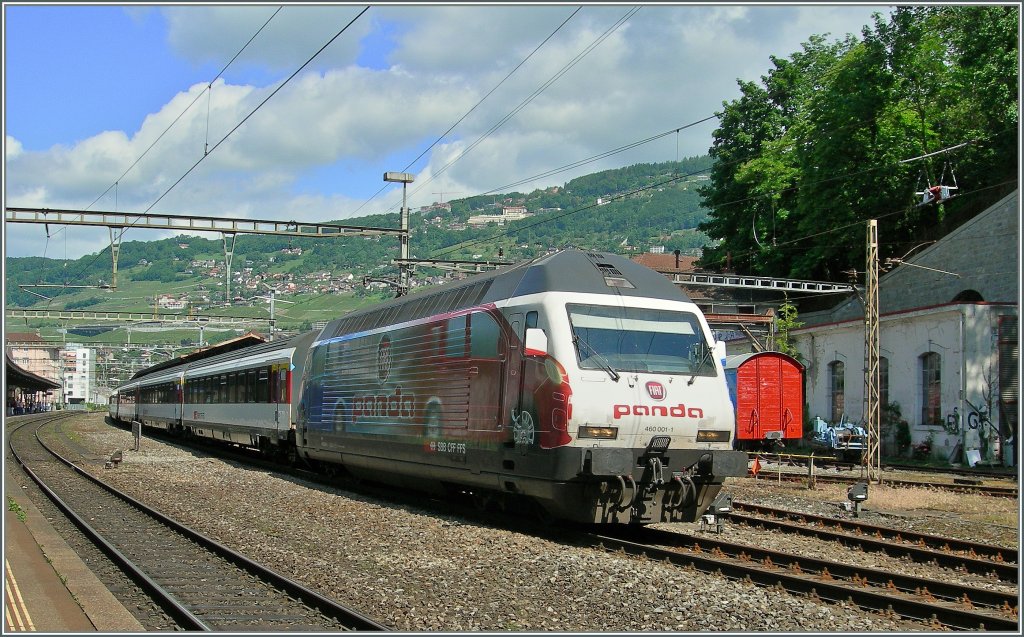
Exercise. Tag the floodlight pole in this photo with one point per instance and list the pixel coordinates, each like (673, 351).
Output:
(403, 268)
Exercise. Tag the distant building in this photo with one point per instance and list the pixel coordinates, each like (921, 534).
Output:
(168, 302)
(79, 374)
(508, 213)
(34, 355)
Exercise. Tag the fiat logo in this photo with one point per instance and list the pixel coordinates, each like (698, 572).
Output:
(656, 390)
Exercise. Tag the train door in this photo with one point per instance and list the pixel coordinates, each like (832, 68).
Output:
(279, 395)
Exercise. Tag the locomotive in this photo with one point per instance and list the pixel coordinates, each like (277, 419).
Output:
(581, 382)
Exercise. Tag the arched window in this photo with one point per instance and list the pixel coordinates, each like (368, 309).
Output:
(837, 389)
(883, 381)
(931, 389)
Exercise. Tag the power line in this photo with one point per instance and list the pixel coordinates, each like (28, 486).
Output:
(209, 88)
(244, 119)
(481, 101)
(565, 69)
(517, 229)
(258, 107)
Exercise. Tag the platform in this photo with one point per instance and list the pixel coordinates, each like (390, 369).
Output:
(47, 587)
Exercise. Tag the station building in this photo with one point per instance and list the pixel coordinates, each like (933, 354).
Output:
(948, 317)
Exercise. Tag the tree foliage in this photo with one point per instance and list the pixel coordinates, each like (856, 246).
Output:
(820, 145)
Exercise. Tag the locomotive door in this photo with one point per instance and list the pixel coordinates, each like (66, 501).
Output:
(488, 354)
(522, 408)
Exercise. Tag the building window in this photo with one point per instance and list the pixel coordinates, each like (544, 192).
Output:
(883, 382)
(931, 386)
(837, 389)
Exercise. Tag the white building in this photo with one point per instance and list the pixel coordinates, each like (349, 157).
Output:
(79, 374)
(948, 344)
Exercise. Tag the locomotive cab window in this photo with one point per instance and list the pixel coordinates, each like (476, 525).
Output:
(640, 340)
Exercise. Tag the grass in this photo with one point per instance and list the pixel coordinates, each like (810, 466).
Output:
(13, 506)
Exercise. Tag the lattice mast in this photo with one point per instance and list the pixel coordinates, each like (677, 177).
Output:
(872, 377)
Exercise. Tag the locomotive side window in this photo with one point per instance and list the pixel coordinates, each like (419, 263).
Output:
(456, 338)
(483, 336)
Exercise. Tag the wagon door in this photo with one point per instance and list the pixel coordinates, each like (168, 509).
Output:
(792, 383)
(770, 399)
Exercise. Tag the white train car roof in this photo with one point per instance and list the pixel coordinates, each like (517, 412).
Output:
(255, 355)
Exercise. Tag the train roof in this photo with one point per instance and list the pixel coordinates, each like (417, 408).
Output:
(562, 271)
(246, 340)
(300, 341)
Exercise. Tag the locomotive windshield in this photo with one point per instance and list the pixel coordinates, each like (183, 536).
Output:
(629, 339)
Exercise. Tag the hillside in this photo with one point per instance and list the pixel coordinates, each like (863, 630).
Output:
(624, 210)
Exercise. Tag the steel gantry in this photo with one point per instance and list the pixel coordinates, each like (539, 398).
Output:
(118, 222)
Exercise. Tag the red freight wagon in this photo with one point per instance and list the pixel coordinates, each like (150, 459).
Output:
(767, 391)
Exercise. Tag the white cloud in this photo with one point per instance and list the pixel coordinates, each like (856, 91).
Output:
(667, 67)
(12, 147)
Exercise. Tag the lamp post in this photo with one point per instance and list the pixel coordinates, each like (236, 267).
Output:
(403, 269)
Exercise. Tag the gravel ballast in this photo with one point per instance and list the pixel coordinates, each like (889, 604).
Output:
(417, 570)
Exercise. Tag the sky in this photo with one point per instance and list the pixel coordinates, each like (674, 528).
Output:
(203, 109)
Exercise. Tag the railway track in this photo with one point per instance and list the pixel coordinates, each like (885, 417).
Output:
(200, 583)
(980, 489)
(800, 460)
(972, 557)
(933, 602)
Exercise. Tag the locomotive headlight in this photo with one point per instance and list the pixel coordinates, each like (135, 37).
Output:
(591, 431)
(711, 435)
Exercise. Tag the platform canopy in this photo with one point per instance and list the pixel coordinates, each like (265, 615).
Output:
(26, 381)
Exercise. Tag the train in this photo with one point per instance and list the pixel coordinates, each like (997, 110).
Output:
(580, 383)
(767, 392)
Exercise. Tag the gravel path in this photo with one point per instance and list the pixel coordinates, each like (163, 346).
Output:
(416, 570)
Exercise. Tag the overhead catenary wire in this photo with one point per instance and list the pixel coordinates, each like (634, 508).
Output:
(166, 130)
(565, 69)
(519, 228)
(479, 102)
(244, 119)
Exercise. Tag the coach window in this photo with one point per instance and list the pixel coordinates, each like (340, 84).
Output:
(263, 385)
(483, 336)
(837, 389)
(250, 386)
(931, 386)
(455, 341)
(222, 389)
